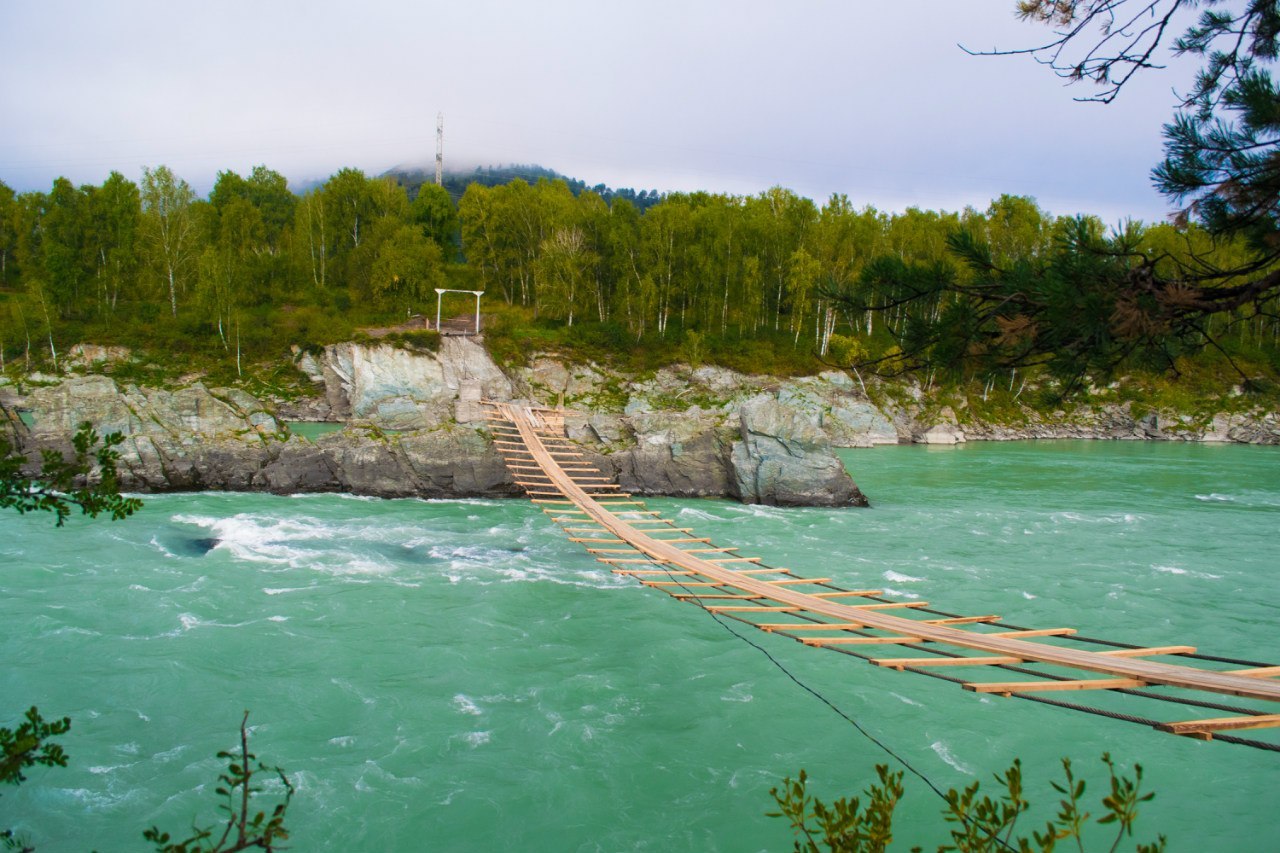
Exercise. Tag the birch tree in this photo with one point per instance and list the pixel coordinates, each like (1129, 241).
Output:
(168, 225)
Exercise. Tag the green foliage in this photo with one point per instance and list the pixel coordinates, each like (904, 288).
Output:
(1222, 149)
(846, 350)
(244, 827)
(845, 825)
(1088, 304)
(420, 339)
(63, 484)
(978, 824)
(28, 745)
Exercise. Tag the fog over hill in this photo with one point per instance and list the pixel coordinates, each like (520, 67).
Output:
(457, 180)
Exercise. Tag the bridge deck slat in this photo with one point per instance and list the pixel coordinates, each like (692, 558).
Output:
(1220, 724)
(1007, 687)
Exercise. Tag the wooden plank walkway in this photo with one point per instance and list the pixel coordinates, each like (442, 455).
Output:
(634, 541)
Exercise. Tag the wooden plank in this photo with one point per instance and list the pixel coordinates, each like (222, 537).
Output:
(682, 596)
(663, 572)
(962, 620)
(1007, 687)
(1149, 652)
(726, 608)
(1220, 724)
(810, 626)
(991, 660)
(628, 560)
(858, 641)
(802, 581)
(1037, 632)
(857, 593)
(601, 541)
(890, 605)
(735, 560)
(1257, 671)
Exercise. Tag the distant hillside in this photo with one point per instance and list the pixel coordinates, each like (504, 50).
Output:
(456, 182)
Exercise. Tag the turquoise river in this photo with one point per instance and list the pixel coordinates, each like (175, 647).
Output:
(456, 675)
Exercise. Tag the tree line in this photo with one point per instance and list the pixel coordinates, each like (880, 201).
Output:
(105, 261)
(254, 265)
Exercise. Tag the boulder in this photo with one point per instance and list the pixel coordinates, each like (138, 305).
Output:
(679, 454)
(945, 431)
(940, 434)
(91, 356)
(782, 458)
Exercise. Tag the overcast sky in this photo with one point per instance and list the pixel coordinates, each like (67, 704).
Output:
(871, 99)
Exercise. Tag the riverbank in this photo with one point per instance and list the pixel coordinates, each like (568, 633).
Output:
(403, 422)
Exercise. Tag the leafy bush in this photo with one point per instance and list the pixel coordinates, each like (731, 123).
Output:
(978, 824)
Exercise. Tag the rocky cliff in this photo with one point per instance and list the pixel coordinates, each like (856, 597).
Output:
(408, 423)
(410, 427)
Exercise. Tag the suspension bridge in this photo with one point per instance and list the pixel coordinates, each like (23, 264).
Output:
(1171, 688)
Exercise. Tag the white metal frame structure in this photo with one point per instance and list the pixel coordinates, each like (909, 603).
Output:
(441, 291)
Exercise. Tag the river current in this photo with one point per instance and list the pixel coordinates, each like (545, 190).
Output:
(456, 675)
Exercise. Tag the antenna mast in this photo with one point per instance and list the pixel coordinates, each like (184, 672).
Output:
(439, 149)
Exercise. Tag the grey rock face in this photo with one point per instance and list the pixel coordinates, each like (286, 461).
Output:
(779, 457)
(677, 454)
(396, 389)
(1117, 423)
(783, 459)
(197, 438)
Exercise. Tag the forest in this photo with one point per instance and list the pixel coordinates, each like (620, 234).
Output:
(772, 282)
